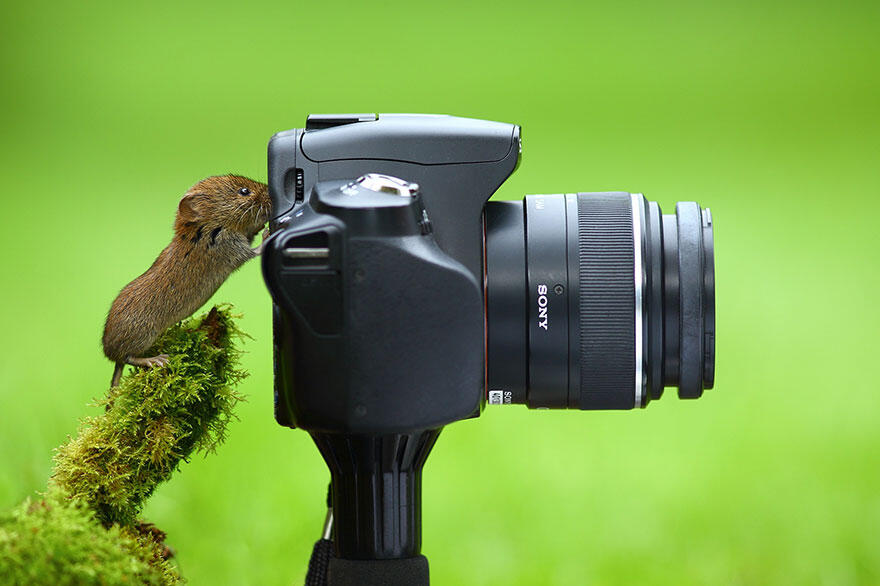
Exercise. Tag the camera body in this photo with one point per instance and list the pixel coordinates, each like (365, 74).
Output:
(378, 283)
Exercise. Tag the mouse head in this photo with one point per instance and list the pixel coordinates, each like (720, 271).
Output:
(232, 202)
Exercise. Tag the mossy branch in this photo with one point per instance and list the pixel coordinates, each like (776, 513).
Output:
(155, 418)
(83, 530)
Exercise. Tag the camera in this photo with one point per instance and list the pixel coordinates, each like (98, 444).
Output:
(404, 300)
(390, 270)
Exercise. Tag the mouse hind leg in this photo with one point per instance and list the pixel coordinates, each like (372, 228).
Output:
(117, 374)
(159, 360)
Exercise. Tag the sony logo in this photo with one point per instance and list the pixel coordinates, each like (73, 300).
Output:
(542, 307)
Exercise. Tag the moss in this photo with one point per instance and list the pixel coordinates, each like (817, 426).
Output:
(155, 418)
(84, 530)
(58, 540)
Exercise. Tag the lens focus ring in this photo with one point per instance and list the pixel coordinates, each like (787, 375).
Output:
(607, 301)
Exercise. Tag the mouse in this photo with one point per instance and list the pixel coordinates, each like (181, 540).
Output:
(216, 222)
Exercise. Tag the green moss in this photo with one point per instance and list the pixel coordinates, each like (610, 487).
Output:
(57, 540)
(155, 418)
(83, 529)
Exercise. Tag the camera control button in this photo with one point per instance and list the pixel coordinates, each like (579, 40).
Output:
(388, 184)
(425, 225)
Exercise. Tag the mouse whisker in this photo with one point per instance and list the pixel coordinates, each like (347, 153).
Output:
(237, 208)
(244, 213)
(245, 208)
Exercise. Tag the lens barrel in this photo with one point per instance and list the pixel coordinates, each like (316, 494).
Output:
(598, 301)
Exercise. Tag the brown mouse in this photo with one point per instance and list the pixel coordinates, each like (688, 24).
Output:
(216, 221)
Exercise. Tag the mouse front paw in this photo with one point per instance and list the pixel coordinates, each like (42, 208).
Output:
(258, 250)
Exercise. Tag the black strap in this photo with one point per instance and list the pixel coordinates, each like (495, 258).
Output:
(398, 572)
(319, 563)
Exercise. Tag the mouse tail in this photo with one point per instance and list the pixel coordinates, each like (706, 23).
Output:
(117, 374)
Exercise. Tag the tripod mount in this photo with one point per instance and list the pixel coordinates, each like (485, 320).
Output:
(376, 504)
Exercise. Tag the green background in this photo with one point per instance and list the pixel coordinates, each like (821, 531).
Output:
(767, 112)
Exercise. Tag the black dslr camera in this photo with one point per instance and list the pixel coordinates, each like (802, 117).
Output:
(404, 301)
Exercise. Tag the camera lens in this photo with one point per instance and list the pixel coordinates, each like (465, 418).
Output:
(598, 301)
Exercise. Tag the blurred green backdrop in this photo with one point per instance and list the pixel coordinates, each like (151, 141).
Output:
(767, 112)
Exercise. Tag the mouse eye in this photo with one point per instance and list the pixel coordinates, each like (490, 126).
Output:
(244, 191)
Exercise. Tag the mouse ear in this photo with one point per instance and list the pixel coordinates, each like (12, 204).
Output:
(186, 210)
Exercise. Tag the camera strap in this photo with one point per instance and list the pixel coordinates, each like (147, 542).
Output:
(319, 563)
